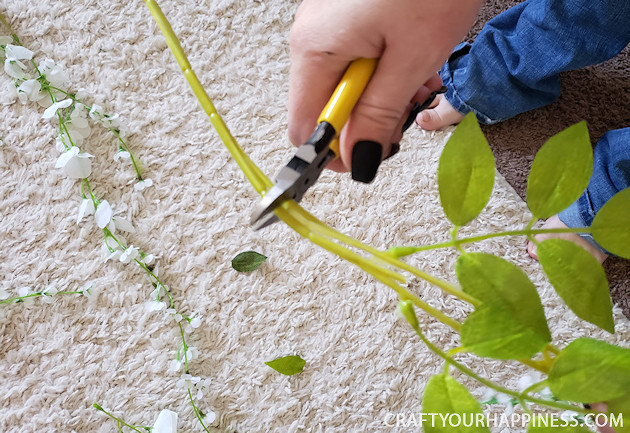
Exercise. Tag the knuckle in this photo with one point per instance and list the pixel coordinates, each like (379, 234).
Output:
(379, 115)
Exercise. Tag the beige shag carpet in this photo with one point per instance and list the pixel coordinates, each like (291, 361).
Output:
(363, 364)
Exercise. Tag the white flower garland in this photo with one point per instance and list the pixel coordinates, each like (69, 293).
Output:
(47, 84)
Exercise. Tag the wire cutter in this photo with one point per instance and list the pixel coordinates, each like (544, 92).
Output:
(311, 158)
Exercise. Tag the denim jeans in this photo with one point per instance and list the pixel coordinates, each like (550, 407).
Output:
(514, 64)
(611, 174)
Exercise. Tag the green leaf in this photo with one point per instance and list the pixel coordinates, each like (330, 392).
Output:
(560, 171)
(554, 424)
(619, 410)
(510, 322)
(446, 396)
(589, 371)
(288, 365)
(611, 226)
(579, 279)
(465, 172)
(495, 333)
(248, 261)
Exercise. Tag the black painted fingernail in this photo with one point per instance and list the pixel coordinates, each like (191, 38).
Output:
(366, 157)
(394, 151)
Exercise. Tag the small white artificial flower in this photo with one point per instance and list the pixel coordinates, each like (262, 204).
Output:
(131, 253)
(75, 164)
(59, 144)
(195, 322)
(4, 40)
(96, 112)
(12, 90)
(78, 123)
(172, 312)
(143, 184)
(81, 94)
(24, 291)
(72, 136)
(488, 395)
(195, 383)
(29, 90)
(155, 305)
(148, 259)
(166, 422)
(526, 381)
(210, 417)
(48, 294)
(50, 291)
(51, 111)
(158, 292)
(121, 154)
(123, 224)
(568, 415)
(184, 381)
(112, 121)
(86, 208)
(90, 292)
(507, 401)
(192, 324)
(175, 365)
(546, 393)
(103, 214)
(55, 74)
(189, 382)
(12, 64)
(192, 353)
(112, 247)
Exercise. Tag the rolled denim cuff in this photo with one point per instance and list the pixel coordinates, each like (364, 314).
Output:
(447, 73)
(572, 217)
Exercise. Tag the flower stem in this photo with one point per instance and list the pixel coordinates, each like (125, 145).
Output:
(4, 21)
(120, 421)
(196, 410)
(33, 295)
(520, 396)
(185, 346)
(457, 243)
(122, 144)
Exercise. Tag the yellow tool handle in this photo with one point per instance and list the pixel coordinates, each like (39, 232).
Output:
(345, 96)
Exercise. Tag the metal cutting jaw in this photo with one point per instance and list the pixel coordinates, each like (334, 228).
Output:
(297, 176)
(322, 146)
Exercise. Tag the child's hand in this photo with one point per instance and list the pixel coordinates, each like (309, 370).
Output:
(412, 39)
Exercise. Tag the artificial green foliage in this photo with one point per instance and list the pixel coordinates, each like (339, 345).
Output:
(510, 322)
(579, 279)
(589, 371)
(560, 171)
(248, 261)
(406, 309)
(465, 172)
(611, 226)
(620, 408)
(555, 425)
(288, 365)
(444, 395)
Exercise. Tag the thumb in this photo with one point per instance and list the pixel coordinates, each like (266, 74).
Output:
(376, 119)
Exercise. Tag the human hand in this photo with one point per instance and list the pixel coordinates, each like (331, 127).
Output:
(411, 38)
